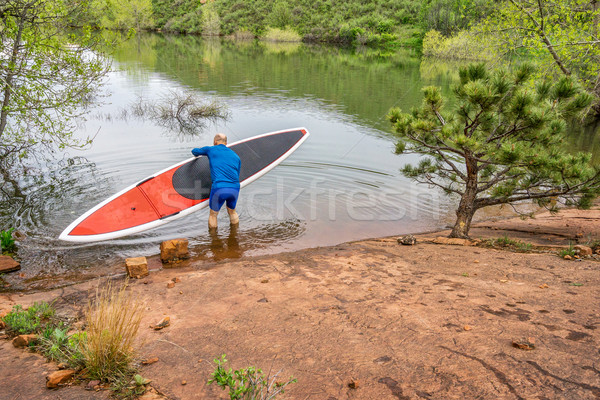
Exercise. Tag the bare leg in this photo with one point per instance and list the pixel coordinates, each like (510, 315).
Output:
(212, 219)
(234, 219)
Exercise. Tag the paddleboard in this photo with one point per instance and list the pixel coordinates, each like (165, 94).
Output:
(178, 190)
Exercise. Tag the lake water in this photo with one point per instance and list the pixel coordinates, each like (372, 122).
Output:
(343, 184)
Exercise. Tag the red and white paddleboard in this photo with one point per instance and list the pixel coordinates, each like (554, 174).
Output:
(178, 190)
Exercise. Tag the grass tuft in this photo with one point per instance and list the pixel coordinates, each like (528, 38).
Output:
(113, 321)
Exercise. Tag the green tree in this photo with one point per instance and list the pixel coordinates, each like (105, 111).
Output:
(502, 143)
(562, 35)
(47, 75)
(127, 14)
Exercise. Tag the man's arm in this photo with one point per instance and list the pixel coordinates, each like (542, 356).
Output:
(202, 151)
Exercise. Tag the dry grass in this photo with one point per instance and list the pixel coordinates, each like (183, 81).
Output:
(113, 321)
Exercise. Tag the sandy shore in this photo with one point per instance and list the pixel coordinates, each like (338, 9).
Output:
(427, 321)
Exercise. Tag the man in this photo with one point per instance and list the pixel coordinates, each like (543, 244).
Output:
(225, 174)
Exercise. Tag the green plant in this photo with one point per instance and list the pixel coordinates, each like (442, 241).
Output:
(57, 345)
(513, 244)
(32, 320)
(570, 251)
(126, 387)
(113, 321)
(248, 383)
(281, 35)
(7, 242)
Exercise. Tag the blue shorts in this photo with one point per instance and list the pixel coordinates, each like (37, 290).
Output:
(220, 196)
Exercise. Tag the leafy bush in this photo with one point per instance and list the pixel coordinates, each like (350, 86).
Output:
(32, 320)
(113, 321)
(281, 16)
(462, 46)
(281, 35)
(247, 384)
(7, 241)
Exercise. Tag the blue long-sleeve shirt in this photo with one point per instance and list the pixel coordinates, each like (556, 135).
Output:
(224, 165)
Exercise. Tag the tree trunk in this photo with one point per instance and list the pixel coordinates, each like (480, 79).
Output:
(466, 208)
(12, 65)
(464, 216)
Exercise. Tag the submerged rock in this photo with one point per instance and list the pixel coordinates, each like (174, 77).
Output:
(8, 264)
(174, 250)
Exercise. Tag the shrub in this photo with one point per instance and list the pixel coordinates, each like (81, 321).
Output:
(247, 384)
(7, 242)
(282, 35)
(32, 320)
(211, 23)
(113, 321)
(281, 16)
(464, 45)
(57, 345)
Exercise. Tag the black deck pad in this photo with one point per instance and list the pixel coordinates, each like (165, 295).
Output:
(192, 179)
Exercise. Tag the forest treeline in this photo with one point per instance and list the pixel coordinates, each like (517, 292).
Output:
(560, 36)
(375, 23)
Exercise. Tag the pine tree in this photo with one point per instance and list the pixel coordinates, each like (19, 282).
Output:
(502, 143)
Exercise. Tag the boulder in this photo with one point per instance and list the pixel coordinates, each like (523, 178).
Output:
(7, 264)
(24, 340)
(59, 378)
(583, 250)
(137, 267)
(174, 250)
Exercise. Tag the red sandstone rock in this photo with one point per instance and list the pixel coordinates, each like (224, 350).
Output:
(583, 250)
(59, 378)
(137, 267)
(174, 250)
(23, 340)
(7, 264)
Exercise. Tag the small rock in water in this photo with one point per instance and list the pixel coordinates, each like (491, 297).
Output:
(407, 240)
(174, 250)
(7, 264)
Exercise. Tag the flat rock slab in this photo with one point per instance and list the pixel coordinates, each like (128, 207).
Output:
(8, 264)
